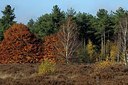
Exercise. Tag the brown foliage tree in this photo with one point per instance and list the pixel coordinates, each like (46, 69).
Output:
(49, 51)
(20, 46)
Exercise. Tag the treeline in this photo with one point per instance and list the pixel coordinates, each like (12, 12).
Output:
(78, 36)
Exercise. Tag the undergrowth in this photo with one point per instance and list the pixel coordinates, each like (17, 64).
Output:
(46, 67)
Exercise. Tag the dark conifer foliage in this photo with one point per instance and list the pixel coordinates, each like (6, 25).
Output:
(7, 19)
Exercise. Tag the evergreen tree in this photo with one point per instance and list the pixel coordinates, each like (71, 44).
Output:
(85, 25)
(43, 26)
(30, 25)
(103, 28)
(86, 29)
(7, 19)
(57, 17)
(70, 12)
(48, 23)
(1, 32)
(120, 12)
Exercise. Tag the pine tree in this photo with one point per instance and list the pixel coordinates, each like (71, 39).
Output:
(43, 26)
(57, 17)
(103, 29)
(48, 24)
(31, 25)
(7, 19)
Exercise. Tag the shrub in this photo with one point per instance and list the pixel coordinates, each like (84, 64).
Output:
(82, 55)
(46, 67)
(103, 64)
(103, 69)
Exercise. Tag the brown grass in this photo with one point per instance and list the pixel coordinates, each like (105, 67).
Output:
(65, 74)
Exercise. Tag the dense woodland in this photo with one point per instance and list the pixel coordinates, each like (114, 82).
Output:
(73, 36)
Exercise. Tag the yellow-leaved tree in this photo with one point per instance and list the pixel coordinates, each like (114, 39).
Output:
(113, 51)
(90, 51)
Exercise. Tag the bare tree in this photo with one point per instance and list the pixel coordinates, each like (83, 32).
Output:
(68, 39)
(122, 38)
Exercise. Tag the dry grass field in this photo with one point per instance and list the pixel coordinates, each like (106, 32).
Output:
(65, 74)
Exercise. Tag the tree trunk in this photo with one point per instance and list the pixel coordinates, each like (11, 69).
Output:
(123, 37)
(102, 48)
(119, 46)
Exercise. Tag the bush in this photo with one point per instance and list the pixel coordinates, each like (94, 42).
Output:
(104, 64)
(46, 67)
(82, 55)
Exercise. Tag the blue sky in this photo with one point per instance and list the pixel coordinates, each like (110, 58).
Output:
(27, 9)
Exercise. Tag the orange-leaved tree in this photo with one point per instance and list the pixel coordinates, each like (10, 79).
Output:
(20, 46)
(49, 51)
